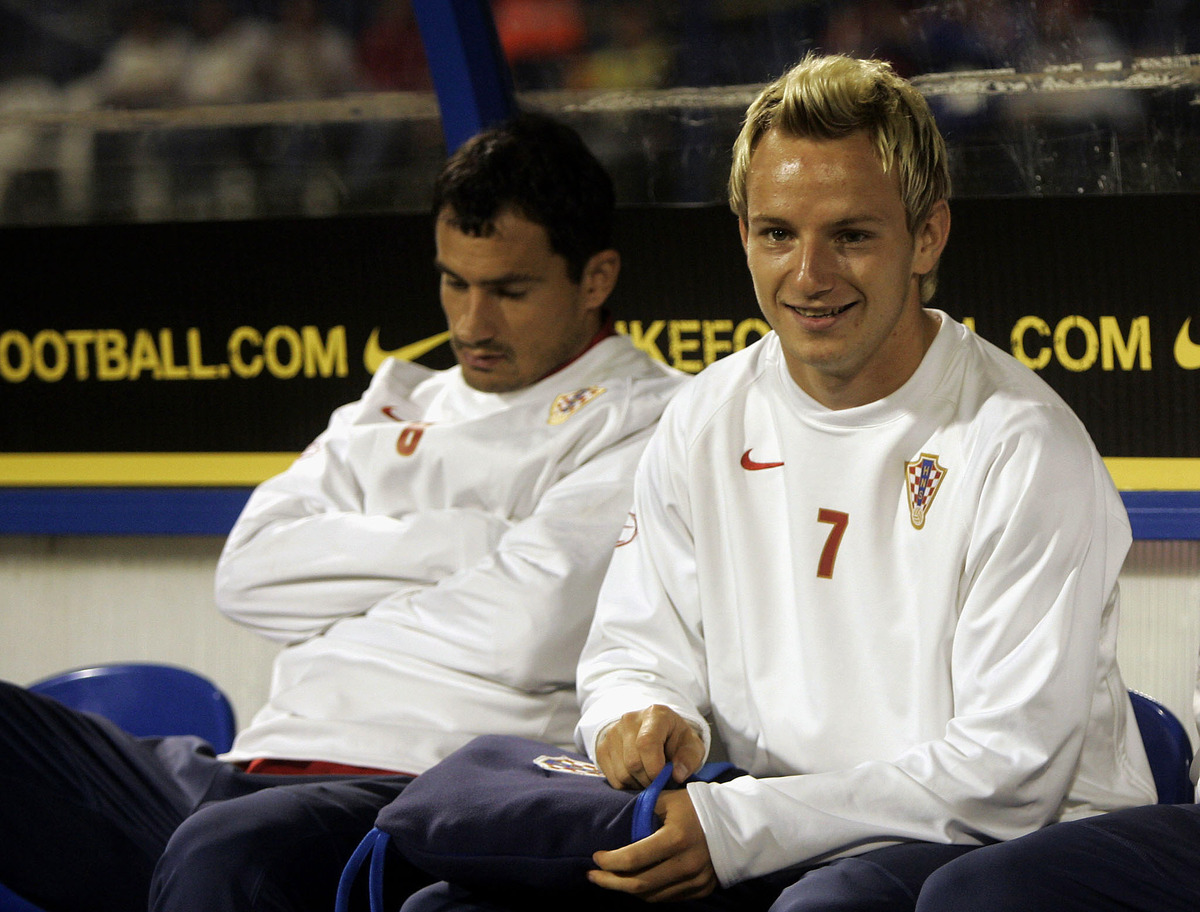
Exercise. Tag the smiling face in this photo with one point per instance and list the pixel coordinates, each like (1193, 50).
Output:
(835, 267)
(513, 312)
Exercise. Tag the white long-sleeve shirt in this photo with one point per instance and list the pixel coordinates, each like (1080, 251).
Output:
(432, 560)
(900, 618)
(1195, 771)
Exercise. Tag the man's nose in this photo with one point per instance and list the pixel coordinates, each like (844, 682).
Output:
(478, 321)
(812, 269)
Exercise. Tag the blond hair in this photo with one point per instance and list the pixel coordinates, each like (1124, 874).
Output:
(830, 97)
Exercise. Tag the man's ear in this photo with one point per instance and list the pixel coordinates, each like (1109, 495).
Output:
(600, 277)
(931, 238)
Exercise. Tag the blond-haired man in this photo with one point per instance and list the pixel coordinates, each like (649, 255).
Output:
(876, 558)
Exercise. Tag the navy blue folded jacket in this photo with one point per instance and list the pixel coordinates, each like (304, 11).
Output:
(509, 813)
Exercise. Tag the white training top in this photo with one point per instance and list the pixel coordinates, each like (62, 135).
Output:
(433, 559)
(1195, 772)
(900, 618)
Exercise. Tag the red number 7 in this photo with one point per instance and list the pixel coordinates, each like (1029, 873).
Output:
(839, 521)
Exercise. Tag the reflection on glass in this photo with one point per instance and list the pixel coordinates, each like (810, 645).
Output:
(115, 110)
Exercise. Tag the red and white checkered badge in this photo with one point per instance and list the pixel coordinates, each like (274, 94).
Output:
(568, 404)
(564, 764)
(924, 478)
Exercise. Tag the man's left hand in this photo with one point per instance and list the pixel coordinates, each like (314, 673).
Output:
(672, 864)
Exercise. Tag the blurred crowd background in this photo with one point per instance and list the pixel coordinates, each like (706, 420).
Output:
(196, 109)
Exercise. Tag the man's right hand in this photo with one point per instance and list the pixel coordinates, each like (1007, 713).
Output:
(634, 749)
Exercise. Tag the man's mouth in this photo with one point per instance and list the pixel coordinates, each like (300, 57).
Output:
(479, 358)
(818, 313)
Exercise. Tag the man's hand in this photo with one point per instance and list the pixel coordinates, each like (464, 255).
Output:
(634, 749)
(673, 864)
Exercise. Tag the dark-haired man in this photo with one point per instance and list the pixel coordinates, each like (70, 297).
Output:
(431, 564)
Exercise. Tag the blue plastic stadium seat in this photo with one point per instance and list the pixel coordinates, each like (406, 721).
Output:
(146, 700)
(1167, 747)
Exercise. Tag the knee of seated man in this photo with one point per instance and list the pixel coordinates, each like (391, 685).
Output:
(258, 850)
(220, 841)
(985, 880)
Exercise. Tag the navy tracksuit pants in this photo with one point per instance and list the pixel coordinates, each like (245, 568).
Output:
(93, 818)
(1142, 859)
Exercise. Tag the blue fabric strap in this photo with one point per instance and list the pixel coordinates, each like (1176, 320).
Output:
(373, 847)
(375, 882)
(644, 821)
(350, 872)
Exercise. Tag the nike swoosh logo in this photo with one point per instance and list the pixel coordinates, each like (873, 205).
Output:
(1187, 352)
(374, 354)
(751, 466)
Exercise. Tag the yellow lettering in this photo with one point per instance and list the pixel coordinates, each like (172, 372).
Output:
(48, 338)
(288, 336)
(15, 372)
(285, 351)
(143, 356)
(1091, 343)
(713, 347)
(166, 347)
(323, 361)
(1020, 329)
(745, 328)
(112, 357)
(1112, 341)
(678, 346)
(80, 339)
(644, 339)
(197, 369)
(239, 337)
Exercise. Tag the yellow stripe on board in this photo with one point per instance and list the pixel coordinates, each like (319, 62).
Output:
(139, 469)
(215, 469)
(1154, 474)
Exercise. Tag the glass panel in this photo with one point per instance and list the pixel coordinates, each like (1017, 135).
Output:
(117, 110)
(1035, 97)
(207, 109)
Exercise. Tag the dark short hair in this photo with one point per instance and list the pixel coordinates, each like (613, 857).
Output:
(541, 170)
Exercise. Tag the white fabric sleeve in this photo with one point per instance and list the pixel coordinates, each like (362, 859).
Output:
(303, 554)
(508, 601)
(646, 645)
(1195, 772)
(520, 614)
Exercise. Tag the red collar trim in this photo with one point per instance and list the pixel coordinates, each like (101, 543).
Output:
(607, 329)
